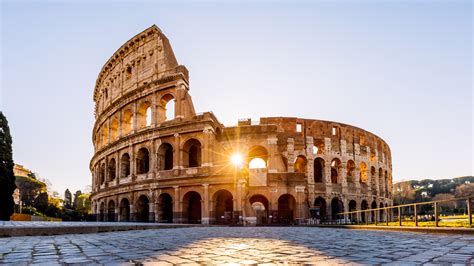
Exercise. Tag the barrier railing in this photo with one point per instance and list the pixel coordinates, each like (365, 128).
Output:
(428, 213)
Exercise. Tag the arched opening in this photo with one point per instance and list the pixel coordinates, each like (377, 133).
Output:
(318, 170)
(350, 167)
(335, 170)
(142, 209)
(167, 108)
(300, 164)
(112, 169)
(192, 153)
(224, 207)
(381, 188)
(286, 208)
(337, 206)
(105, 135)
(192, 208)
(114, 126)
(127, 121)
(102, 212)
(373, 177)
(143, 161)
(144, 115)
(125, 165)
(259, 205)
(257, 157)
(363, 172)
(381, 212)
(364, 206)
(318, 147)
(124, 210)
(102, 173)
(165, 211)
(373, 206)
(165, 157)
(111, 211)
(352, 207)
(319, 209)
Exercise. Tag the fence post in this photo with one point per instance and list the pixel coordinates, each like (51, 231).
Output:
(469, 210)
(376, 217)
(416, 214)
(386, 217)
(436, 213)
(367, 219)
(399, 216)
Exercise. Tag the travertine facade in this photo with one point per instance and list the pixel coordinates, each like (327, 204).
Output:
(153, 165)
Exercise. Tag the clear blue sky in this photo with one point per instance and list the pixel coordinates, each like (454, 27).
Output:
(402, 70)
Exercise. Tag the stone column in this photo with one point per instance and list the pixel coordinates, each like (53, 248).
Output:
(205, 206)
(132, 161)
(272, 153)
(120, 124)
(177, 204)
(290, 147)
(180, 96)
(177, 162)
(134, 118)
(154, 114)
(151, 211)
(300, 200)
(133, 215)
(206, 147)
(117, 212)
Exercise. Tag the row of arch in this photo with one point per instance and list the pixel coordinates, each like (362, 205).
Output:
(192, 158)
(320, 210)
(223, 211)
(123, 124)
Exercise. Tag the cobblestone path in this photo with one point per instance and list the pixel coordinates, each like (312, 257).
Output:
(241, 245)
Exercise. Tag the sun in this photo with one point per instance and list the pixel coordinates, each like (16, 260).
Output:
(237, 159)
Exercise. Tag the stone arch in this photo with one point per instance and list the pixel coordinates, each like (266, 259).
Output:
(260, 206)
(286, 209)
(373, 206)
(125, 165)
(319, 209)
(363, 173)
(105, 134)
(167, 107)
(124, 210)
(300, 164)
(165, 208)
(192, 153)
(223, 206)
(337, 206)
(364, 206)
(102, 212)
(114, 127)
(373, 177)
(381, 188)
(192, 212)
(142, 208)
(102, 173)
(112, 169)
(111, 211)
(127, 118)
(257, 157)
(165, 156)
(319, 144)
(143, 161)
(336, 166)
(318, 170)
(144, 115)
(352, 207)
(350, 167)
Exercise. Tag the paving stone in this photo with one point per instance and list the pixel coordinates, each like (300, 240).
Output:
(239, 246)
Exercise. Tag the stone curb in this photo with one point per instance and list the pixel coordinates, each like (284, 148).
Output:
(426, 230)
(9, 231)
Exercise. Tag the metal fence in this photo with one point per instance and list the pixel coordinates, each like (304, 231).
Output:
(431, 213)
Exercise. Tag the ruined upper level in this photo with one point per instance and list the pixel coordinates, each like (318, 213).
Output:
(144, 59)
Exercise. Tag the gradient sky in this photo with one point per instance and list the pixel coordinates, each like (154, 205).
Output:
(402, 70)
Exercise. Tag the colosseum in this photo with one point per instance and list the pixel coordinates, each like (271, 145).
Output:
(157, 160)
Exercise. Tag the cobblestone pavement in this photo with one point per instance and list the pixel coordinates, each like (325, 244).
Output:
(20, 224)
(241, 245)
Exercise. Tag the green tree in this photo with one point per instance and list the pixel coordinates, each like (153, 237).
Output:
(7, 178)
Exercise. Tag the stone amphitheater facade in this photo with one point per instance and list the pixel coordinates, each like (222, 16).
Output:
(157, 160)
